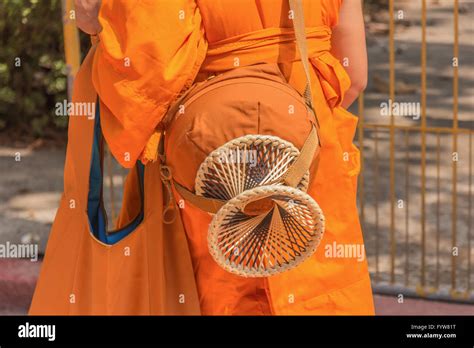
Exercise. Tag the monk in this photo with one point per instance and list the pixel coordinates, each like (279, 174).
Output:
(149, 52)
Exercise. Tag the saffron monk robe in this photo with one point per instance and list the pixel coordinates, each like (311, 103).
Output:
(148, 53)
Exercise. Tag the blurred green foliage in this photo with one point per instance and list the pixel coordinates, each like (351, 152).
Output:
(32, 66)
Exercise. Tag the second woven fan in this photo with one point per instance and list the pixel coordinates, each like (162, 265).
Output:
(265, 227)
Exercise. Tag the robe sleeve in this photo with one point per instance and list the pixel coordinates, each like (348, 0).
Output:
(148, 51)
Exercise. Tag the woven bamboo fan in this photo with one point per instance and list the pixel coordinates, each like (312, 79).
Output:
(282, 232)
(265, 227)
(244, 163)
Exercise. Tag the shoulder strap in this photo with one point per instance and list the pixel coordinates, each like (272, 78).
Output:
(311, 146)
(296, 6)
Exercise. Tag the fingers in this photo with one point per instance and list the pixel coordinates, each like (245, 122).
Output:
(87, 12)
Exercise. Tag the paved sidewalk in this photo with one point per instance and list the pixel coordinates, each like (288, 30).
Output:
(18, 279)
(388, 305)
(17, 284)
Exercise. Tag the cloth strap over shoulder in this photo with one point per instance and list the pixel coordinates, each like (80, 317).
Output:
(312, 144)
(296, 6)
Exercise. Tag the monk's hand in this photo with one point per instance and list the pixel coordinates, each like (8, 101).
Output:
(87, 12)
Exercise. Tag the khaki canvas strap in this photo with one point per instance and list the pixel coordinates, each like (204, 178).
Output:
(312, 144)
(296, 6)
(297, 170)
(210, 205)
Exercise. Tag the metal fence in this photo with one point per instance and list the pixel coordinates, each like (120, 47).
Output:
(407, 240)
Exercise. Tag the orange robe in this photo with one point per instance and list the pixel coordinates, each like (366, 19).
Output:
(150, 51)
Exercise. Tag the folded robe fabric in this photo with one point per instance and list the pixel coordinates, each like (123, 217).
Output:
(147, 271)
